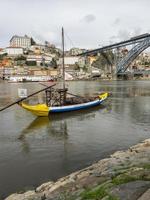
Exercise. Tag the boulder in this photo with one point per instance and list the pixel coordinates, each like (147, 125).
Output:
(130, 191)
(145, 196)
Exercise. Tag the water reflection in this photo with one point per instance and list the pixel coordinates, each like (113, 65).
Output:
(131, 99)
(35, 124)
(56, 125)
(140, 111)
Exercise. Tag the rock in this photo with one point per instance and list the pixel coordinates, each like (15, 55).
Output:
(72, 178)
(145, 196)
(30, 195)
(44, 186)
(131, 190)
(83, 174)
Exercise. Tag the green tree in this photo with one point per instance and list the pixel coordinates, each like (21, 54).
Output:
(20, 58)
(31, 63)
(76, 66)
(2, 56)
(53, 63)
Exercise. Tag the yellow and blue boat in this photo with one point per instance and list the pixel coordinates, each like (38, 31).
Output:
(44, 110)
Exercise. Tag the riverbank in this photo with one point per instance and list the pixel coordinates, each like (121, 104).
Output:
(125, 175)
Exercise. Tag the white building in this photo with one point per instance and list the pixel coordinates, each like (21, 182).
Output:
(14, 51)
(39, 59)
(21, 41)
(39, 47)
(69, 61)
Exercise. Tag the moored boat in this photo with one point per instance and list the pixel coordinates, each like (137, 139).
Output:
(45, 110)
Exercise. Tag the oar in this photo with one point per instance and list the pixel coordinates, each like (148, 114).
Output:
(16, 102)
(11, 104)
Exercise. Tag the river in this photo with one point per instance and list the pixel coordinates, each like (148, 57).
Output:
(35, 150)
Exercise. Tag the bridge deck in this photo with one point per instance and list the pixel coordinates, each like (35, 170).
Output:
(132, 40)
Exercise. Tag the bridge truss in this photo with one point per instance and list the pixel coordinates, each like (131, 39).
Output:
(140, 43)
(132, 54)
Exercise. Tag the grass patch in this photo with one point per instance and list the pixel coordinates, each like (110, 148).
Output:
(146, 166)
(123, 178)
(111, 197)
(98, 193)
(141, 172)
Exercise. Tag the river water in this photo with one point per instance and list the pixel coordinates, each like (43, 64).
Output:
(35, 150)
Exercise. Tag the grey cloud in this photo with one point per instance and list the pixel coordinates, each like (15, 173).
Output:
(113, 37)
(89, 18)
(121, 35)
(43, 35)
(137, 31)
(124, 34)
(117, 21)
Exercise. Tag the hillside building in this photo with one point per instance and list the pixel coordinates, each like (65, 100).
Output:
(39, 59)
(13, 51)
(69, 61)
(21, 41)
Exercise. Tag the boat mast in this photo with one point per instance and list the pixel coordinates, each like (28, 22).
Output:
(63, 63)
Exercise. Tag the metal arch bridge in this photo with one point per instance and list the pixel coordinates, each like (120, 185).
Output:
(141, 42)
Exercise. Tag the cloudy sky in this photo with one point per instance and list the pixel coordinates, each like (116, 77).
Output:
(87, 23)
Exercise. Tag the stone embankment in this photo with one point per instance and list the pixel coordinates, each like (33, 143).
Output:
(125, 175)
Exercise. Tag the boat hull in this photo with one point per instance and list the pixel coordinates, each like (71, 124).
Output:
(44, 110)
(74, 107)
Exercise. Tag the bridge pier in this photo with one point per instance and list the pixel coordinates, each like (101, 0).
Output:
(125, 76)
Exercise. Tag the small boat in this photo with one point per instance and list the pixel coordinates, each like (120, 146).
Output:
(44, 110)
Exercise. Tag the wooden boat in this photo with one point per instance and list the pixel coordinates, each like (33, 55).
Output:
(44, 110)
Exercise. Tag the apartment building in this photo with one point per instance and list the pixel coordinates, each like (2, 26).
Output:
(21, 41)
(14, 51)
